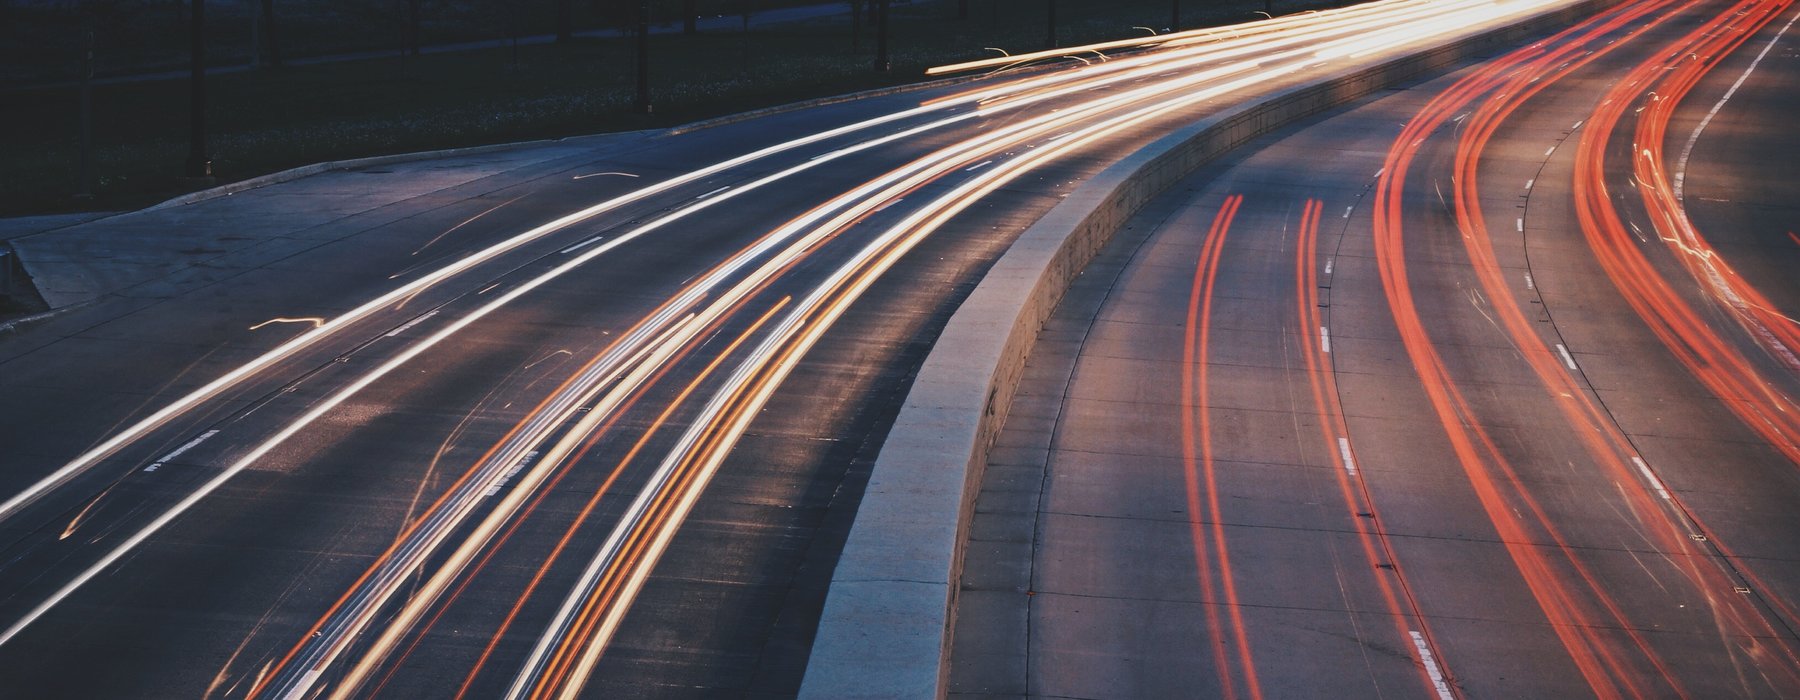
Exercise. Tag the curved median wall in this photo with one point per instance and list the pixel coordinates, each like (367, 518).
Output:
(885, 630)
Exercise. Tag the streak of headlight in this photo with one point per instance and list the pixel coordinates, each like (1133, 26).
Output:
(287, 349)
(914, 228)
(997, 136)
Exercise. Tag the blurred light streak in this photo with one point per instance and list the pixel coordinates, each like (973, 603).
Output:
(1211, 555)
(1401, 605)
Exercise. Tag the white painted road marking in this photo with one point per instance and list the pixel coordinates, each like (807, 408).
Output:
(1325, 339)
(1431, 667)
(583, 244)
(1688, 149)
(409, 324)
(1654, 482)
(1567, 358)
(170, 457)
(1349, 461)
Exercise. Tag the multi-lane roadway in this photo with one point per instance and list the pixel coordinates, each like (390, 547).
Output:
(598, 428)
(1481, 389)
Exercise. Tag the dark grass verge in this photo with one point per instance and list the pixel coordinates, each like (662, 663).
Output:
(270, 120)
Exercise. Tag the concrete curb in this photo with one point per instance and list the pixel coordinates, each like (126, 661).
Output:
(886, 627)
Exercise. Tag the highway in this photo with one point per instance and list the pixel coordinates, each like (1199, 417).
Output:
(1484, 388)
(595, 429)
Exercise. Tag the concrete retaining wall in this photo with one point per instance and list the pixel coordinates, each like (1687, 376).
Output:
(885, 631)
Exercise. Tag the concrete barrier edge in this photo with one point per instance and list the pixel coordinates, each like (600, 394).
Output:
(886, 627)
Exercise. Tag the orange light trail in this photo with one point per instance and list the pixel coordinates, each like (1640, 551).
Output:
(1205, 517)
(1488, 470)
(1377, 549)
(1668, 527)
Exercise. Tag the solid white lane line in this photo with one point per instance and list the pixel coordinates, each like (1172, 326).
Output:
(579, 246)
(1567, 358)
(409, 324)
(1349, 458)
(1431, 667)
(1688, 149)
(1651, 477)
(170, 457)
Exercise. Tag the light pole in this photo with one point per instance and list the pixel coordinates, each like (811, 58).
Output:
(199, 165)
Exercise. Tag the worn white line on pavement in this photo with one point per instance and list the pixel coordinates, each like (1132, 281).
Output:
(170, 457)
(1567, 358)
(1325, 339)
(579, 246)
(1651, 476)
(1688, 149)
(1344, 450)
(1431, 666)
(409, 324)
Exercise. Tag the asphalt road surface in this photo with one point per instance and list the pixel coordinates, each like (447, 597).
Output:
(1447, 395)
(593, 427)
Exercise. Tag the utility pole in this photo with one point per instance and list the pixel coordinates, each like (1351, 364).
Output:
(882, 64)
(199, 165)
(86, 188)
(1050, 37)
(643, 56)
